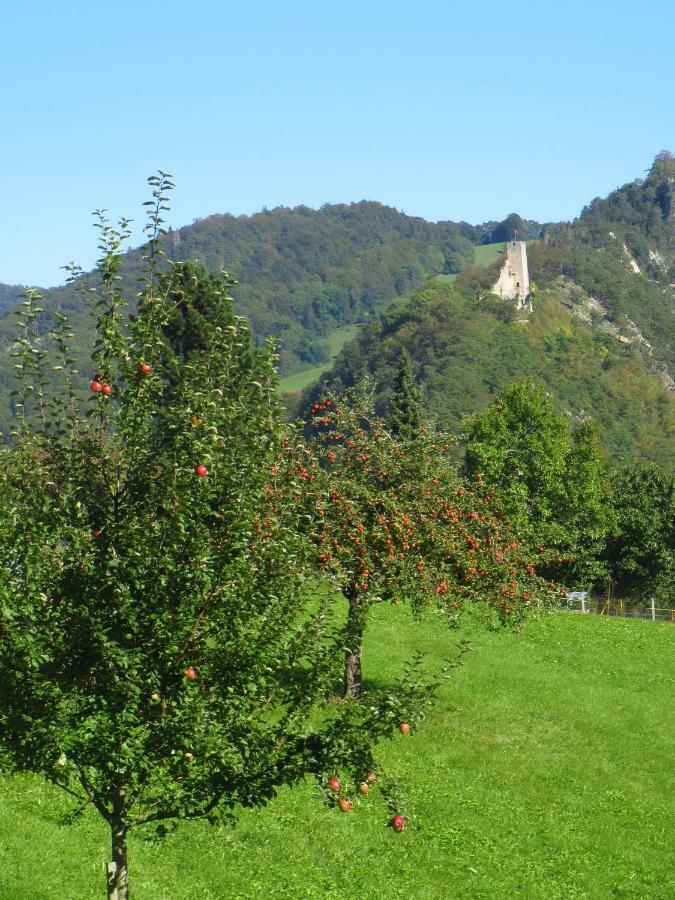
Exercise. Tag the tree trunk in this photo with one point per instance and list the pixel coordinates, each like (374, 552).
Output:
(353, 684)
(353, 687)
(117, 869)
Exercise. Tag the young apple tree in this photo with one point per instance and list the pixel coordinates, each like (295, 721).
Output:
(162, 652)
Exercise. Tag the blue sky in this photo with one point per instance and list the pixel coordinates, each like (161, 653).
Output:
(447, 111)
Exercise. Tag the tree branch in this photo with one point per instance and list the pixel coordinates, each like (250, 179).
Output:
(93, 799)
(176, 812)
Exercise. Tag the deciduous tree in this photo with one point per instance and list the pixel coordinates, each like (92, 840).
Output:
(163, 654)
(641, 552)
(550, 481)
(390, 520)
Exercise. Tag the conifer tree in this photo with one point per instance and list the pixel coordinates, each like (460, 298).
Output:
(404, 413)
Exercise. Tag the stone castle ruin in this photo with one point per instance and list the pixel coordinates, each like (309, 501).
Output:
(514, 279)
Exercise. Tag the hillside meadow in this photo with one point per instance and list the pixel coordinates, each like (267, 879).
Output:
(543, 771)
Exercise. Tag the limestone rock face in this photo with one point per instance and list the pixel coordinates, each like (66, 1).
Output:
(514, 279)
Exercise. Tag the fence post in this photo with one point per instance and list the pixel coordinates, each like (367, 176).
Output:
(583, 602)
(653, 610)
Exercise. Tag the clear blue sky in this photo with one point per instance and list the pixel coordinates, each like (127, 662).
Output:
(445, 110)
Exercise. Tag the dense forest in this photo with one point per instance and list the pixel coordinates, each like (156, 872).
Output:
(304, 272)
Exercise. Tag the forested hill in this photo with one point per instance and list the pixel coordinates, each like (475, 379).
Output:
(600, 336)
(465, 346)
(303, 272)
(615, 264)
(10, 295)
(637, 220)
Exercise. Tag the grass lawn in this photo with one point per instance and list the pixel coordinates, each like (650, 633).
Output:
(544, 771)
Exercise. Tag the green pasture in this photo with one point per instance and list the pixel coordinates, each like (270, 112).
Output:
(446, 279)
(487, 253)
(484, 254)
(544, 771)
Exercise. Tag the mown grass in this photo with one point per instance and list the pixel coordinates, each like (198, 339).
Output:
(544, 771)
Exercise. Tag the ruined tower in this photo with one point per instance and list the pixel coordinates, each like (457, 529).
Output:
(514, 279)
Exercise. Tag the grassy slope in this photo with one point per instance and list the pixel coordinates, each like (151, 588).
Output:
(488, 253)
(484, 255)
(334, 343)
(545, 771)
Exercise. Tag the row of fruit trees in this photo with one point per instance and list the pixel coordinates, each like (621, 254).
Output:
(184, 576)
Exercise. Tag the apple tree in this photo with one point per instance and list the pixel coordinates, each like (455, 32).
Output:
(390, 519)
(163, 651)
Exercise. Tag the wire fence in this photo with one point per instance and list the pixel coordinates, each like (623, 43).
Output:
(581, 601)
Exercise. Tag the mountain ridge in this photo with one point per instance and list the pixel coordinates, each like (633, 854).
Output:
(304, 274)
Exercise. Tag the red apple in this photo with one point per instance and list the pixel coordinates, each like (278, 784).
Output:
(334, 783)
(106, 389)
(372, 777)
(404, 728)
(201, 470)
(96, 386)
(344, 804)
(364, 787)
(191, 673)
(96, 532)
(145, 368)
(398, 823)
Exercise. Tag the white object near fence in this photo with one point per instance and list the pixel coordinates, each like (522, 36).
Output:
(578, 595)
